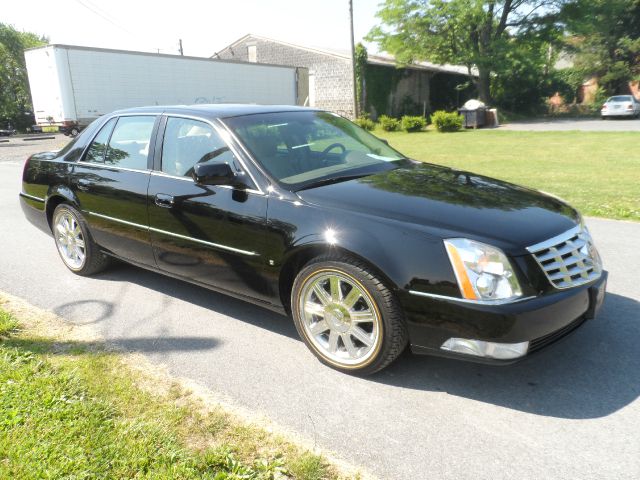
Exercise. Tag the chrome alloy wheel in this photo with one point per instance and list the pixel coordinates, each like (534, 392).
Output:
(340, 318)
(69, 239)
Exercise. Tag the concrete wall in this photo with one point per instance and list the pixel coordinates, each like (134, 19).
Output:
(332, 74)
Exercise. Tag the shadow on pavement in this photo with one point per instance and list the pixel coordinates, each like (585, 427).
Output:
(104, 310)
(202, 297)
(592, 373)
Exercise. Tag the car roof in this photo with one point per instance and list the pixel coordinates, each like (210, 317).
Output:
(217, 110)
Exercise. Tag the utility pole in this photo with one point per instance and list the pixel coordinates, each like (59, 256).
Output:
(181, 52)
(353, 63)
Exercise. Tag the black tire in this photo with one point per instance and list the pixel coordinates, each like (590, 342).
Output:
(74, 132)
(392, 337)
(94, 260)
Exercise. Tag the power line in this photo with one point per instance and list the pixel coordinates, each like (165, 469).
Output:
(110, 19)
(96, 12)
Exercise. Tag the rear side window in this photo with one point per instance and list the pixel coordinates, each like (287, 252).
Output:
(129, 144)
(98, 148)
(189, 142)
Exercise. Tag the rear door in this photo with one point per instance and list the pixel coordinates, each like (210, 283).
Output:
(111, 182)
(211, 234)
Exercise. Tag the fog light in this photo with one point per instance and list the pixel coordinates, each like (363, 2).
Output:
(500, 351)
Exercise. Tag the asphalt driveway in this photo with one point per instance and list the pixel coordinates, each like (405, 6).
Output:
(571, 411)
(582, 124)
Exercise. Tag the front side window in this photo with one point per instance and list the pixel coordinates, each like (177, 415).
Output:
(129, 144)
(98, 148)
(302, 149)
(189, 142)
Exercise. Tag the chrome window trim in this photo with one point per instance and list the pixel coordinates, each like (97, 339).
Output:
(176, 235)
(473, 302)
(158, 173)
(111, 116)
(32, 197)
(113, 167)
(221, 133)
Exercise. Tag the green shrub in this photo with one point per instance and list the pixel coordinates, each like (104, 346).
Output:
(365, 122)
(447, 121)
(413, 124)
(389, 124)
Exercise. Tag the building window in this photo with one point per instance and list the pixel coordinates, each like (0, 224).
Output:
(252, 53)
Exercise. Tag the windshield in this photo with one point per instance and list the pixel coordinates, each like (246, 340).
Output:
(620, 98)
(302, 149)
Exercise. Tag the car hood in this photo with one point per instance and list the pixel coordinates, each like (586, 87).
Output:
(449, 203)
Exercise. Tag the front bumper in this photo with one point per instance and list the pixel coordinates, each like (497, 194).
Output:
(541, 320)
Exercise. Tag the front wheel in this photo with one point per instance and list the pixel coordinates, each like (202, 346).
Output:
(347, 316)
(77, 249)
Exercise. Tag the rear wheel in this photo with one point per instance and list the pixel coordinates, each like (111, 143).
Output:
(347, 316)
(77, 249)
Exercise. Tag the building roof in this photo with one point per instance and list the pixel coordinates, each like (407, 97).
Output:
(383, 60)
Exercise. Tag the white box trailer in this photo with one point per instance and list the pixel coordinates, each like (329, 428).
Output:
(71, 86)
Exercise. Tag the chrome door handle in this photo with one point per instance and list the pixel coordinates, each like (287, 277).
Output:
(163, 200)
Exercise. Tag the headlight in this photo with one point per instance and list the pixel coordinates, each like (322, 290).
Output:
(483, 272)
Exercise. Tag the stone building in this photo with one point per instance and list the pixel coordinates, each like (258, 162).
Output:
(416, 89)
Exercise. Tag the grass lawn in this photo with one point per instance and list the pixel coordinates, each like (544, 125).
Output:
(71, 409)
(596, 172)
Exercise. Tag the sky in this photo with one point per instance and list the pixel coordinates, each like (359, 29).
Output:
(204, 26)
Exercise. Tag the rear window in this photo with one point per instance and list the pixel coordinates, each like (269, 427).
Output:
(620, 98)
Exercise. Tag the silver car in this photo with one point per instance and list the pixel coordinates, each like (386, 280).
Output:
(621, 106)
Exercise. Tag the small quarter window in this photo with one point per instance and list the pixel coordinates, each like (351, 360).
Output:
(189, 142)
(129, 144)
(98, 148)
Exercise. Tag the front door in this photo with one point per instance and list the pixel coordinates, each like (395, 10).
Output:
(213, 235)
(111, 182)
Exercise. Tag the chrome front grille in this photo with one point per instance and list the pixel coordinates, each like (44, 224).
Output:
(569, 259)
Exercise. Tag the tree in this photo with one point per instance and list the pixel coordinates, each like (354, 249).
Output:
(605, 39)
(475, 33)
(15, 98)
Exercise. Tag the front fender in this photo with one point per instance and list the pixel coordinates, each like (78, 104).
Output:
(408, 258)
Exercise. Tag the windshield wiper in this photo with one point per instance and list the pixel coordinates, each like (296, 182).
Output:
(330, 180)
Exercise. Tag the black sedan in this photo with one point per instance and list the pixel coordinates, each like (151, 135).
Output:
(303, 212)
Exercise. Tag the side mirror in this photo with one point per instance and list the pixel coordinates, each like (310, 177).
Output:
(214, 174)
